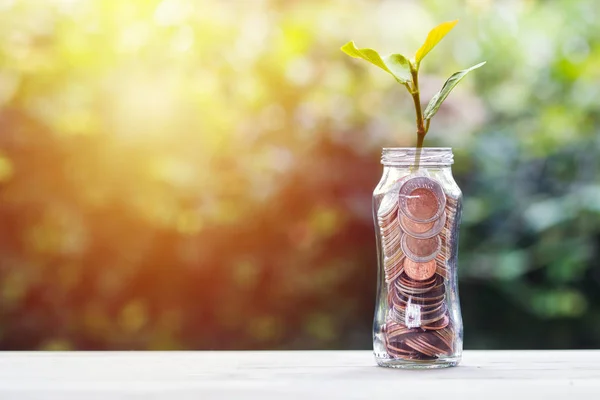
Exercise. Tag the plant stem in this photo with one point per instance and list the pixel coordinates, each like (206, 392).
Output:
(421, 131)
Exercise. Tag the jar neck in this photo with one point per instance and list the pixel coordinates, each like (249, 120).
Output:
(404, 157)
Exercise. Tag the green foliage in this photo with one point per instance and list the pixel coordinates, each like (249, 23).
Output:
(433, 38)
(406, 73)
(395, 64)
(437, 100)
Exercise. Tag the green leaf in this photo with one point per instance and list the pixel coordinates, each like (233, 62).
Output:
(440, 96)
(400, 67)
(433, 38)
(395, 64)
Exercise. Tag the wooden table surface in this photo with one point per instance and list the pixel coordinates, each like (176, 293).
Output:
(483, 375)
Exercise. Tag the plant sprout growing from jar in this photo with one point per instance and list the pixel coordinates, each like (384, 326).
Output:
(406, 72)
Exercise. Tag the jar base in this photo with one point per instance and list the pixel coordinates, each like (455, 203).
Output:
(415, 364)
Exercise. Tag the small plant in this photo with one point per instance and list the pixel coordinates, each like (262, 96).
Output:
(406, 72)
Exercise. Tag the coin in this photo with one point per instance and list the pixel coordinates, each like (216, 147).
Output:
(403, 298)
(426, 316)
(414, 227)
(393, 259)
(421, 199)
(441, 270)
(399, 352)
(423, 347)
(400, 300)
(395, 342)
(407, 281)
(419, 271)
(446, 334)
(431, 345)
(394, 266)
(417, 346)
(392, 246)
(407, 290)
(420, 250)
(422, 204)
(388, 225)
(416, 343)
(439, 324)
(422, 231)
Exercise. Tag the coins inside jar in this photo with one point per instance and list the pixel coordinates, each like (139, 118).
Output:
(394, 266)
(416, 344)
(419, 271)
(420, 250)
(422, 231)
(421, 199)
(416, 238)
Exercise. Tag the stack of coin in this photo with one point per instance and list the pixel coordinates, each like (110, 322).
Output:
(418, 304)
(416, 343)
(389, 227)
(416, 222)
(446, 236)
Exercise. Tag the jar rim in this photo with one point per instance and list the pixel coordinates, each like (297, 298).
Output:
(405, 156)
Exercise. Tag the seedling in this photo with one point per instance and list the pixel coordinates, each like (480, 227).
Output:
(406, 72)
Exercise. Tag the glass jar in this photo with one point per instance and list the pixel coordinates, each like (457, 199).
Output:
(417, 213)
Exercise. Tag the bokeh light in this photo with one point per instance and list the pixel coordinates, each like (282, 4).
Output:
(183, 174)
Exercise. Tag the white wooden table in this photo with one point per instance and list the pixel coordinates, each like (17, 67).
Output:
(483, 375)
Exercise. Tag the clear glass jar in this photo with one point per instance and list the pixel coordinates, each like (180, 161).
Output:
(417, 213)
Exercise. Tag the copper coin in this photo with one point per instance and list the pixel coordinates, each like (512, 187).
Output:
(431, 343)
(423, 247)
(389, 220)
(430, 320)
(425, 314)
(393, 272)
(400, 301)
(391, 248)
(446, 335)
(393, 259)
(422, 204)
(422, 344)
(391, 235)
(397, 352)
(419, 271)
(426, 348)
(439, 324)
(431, 296)
(424, 301)
(422, 199)
(422, 231)
(394, 263)
(413, 291)
(400, 350)
(399, 331)
(388, 228)
(416, 345)
(443, 272)
(409, 283)
(421, 250)
(414, 227)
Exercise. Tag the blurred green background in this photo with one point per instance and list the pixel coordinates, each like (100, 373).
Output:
(198, 174)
